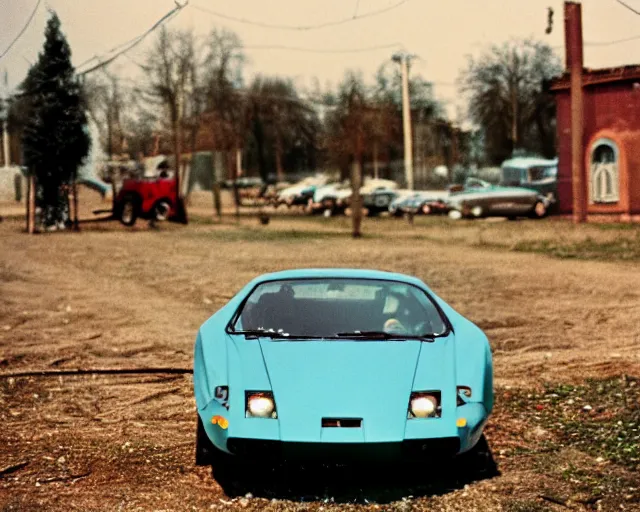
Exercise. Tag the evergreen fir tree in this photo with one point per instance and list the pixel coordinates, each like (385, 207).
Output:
(55, 138)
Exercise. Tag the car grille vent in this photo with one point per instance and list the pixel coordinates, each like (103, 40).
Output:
(341, 422)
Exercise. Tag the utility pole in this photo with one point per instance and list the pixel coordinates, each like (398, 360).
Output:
(574, 64)
(403, 59)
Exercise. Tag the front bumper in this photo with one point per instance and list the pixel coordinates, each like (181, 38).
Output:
(431, 438)
(343, 452)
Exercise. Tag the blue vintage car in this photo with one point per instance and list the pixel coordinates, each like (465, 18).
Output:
(334, 364)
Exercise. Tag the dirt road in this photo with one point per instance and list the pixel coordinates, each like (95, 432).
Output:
(109, 297)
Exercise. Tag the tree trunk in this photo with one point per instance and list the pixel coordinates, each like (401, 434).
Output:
(356, 199)
(278, 148)
(356, 183)
(180, 210)
(217, 205)
(27, 205)
(76, 223)
(237, 170)
(31, 208)
(514, 120)
(375, 160)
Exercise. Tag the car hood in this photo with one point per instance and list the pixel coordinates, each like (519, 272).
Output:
(371, 380)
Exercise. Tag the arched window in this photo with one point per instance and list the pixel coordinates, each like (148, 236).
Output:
(605, 186)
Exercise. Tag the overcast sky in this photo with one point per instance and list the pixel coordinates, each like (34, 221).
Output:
(442, 33)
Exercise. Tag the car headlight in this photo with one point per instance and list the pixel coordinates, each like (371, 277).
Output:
(425, 405)
(261, 405)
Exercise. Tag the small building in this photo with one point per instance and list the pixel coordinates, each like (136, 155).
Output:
(611, 99)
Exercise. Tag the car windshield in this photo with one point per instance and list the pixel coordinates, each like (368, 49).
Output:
(329, 308)
(511, 176)
(540, 173)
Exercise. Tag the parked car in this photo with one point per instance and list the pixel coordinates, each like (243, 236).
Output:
(479, 198)
(398, 207)
(335, 364)
(300, 193)
(533, 173)
(147, 198)
(420, 203)
(427, 203)
(378, 201)
(330, 199)
(335, 198)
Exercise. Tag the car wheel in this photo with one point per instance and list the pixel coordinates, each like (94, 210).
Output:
(455, 214)
(129, 211)
(204, 447)
(539, 210)
(426, 209)
(162, 209)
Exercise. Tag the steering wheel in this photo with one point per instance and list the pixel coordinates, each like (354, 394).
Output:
(394, 326)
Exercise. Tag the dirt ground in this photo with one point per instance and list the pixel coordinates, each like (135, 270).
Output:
(111, 297)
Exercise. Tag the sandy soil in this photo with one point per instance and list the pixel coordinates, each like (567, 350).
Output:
(121, 298)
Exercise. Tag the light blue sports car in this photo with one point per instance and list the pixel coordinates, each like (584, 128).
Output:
(339, 363)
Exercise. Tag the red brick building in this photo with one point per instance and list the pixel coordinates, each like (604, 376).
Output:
(611, 99)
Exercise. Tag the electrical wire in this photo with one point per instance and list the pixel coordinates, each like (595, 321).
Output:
(610, 43)
(134, 42)
(33, 13)
(596, 44)
(323, 50)
(300, 27)
(635, 11)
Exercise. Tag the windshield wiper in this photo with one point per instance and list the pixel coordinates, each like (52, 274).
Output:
(263, 333)
(273, 334)
(381, 335)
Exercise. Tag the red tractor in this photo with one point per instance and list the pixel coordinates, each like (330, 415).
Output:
(148, 198)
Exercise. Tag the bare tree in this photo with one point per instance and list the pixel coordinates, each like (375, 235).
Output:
(107, 103)
(346, 132)
(507, 98)
(170, 70)
(280, 119)
(224, 65)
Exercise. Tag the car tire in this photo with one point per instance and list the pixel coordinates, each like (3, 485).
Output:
(161, 210)
(455, 214)
(204, 447)
(539, 210)
(426, 209)
(129, 211)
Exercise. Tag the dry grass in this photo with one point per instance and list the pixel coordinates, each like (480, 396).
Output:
(114, 297)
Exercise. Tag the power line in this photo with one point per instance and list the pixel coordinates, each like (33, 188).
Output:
(134, 42)
(610, 43)
(33, 13)
(323, 50)
(300, 27)
(602, 43)
(628, 7)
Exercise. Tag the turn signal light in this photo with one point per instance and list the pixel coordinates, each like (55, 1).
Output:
(461, 422)
(221, 421)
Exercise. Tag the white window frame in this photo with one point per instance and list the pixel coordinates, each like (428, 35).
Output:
(598, 174)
